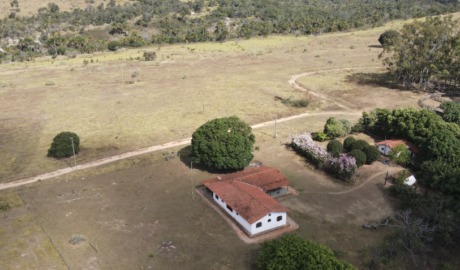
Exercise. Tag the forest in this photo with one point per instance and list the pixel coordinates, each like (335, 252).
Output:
(138, 23)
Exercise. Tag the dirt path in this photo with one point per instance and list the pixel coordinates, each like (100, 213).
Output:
(390, 172)
(293, 82)
(186, 141)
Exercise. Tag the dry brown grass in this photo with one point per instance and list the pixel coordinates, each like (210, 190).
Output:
(30, 7)
(232, 78)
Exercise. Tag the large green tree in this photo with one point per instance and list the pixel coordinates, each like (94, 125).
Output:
(451, 111)
(291, 252)
(62, 145)
(223, 143)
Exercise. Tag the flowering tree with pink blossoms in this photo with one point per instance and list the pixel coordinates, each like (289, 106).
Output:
(342, 167)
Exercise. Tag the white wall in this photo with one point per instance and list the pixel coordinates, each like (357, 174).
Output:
(234, 215)
(266, 225)
(251, 228)
(384, 149)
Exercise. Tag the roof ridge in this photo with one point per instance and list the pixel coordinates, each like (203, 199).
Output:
(255, 173)
(253, 196)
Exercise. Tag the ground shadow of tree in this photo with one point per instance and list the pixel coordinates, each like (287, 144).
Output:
(184, 155)
(376, 79)
(375, 46)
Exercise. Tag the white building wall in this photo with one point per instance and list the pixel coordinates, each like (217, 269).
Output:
(269, 222)
(234, 215)
(252, 228)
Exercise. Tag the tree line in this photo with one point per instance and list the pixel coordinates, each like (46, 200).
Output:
(214, 20)
(426, 54)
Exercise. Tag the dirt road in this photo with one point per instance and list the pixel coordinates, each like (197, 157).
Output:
(185, 141)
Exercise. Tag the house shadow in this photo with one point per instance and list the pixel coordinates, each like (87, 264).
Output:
(375, 46)
(376, 79)
(185, 157)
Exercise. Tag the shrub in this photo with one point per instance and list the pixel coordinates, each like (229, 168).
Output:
(223, 143)
(372, 154)
(305, 145)
(342, 167)
(150, 56)
(359, 156)
(334, 128)
(320, 136)
(62, 145)
(113, 45)
(389, 37)
(292, 252)
(357, 128)
(358, 145)
(50, 82)
(297, 103)
(346, 125)
(348, 142)
(335, 147)
(399, 154)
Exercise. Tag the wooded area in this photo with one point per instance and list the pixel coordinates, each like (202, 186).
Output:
(173, 21)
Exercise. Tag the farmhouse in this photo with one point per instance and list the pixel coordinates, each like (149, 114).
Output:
(245, 197)
(385, 146)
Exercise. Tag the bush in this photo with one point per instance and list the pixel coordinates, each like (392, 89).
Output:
(320, 136)
(113, 45)
(358, 145)
(62, 145)
(346, 125)
(334, 128)
(359, 156)
(335, 147)
(348, 142)
(223, 143)
(150, 56)
(372, 154)
(389, 37)
(50, 82)
(297, 103)
(292, 252)
(358, 128)
(342, 167)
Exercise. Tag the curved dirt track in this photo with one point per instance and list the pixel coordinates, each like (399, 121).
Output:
(293, 82)
(185, 141)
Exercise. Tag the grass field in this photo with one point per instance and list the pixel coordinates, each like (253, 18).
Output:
(127, 208)
(132, 211)
(233, 78)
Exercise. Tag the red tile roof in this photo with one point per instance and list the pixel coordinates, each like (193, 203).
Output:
(392, 143)
(243, 191)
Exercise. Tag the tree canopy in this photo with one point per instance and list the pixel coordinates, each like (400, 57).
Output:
(62, 145)
(426, 52)
(389, 37)
(291, 252)
(223, 143)
(337, 127)
(451, 111)
(399, 154)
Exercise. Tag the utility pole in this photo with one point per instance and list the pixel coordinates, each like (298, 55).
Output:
(276, 134)
(122, 73)
(73, 150)
(191, 181)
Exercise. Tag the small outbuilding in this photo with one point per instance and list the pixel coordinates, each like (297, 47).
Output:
(409, 179)
(386, 146)
(245, 197)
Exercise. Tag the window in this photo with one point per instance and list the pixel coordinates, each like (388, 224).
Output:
(217, 197)
(279, 218)
(229, 208)
(269, 220)
(269, 215)
(259, 224)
